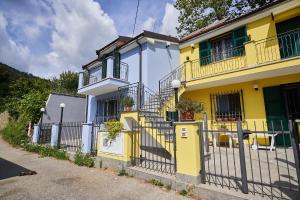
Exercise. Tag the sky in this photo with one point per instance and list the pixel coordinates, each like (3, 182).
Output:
(47, 37)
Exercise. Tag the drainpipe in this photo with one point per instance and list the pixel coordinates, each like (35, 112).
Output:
(139, 103)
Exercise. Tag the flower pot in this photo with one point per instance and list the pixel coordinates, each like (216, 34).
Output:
(187, 116)
(128, 109)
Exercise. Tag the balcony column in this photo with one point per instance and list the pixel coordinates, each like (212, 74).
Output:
(80, 80)
(110, 67)
(250, 52)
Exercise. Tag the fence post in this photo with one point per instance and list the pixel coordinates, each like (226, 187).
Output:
(54, 135)
(35, 136)
(206, 131)
(202, 159)
(242, 158)
(295, 145)
(86, 138)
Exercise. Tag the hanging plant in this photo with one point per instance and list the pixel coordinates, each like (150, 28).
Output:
(113, 127)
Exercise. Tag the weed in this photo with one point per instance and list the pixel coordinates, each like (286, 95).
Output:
(156, 182)
(169, 186)
(123, 173)
(83, 160)
(183, 192)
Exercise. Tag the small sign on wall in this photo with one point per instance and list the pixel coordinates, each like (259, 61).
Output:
(184, 132)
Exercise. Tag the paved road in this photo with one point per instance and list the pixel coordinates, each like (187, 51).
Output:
(63, 180)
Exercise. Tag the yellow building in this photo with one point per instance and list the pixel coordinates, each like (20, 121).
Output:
(246, 68)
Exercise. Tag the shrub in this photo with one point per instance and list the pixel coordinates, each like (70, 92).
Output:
(183, 192)
(187, 105)
(15, 133)
(113, 128)
(127, 101)
(83, 160)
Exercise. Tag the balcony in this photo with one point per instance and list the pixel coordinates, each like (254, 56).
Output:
(98, 81)
(274, 56)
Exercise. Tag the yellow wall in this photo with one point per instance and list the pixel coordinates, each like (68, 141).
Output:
(253, 100)
(188, 149)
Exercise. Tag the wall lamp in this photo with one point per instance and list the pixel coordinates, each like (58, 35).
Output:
(255, 87)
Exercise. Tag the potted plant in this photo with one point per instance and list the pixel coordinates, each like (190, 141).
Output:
(127, 102)
(113, 127)
(188, 108)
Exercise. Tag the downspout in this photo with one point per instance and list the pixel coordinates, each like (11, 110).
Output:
(139, 103)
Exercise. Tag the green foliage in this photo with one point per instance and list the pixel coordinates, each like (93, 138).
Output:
(15, 133)
(189, 105)
(156, 182)
(83, 159)
(67, 83)
(113, 128)
(46, 151)
(123, 173)
(169, 186)
(183, 192)
(127, 101)
(196, 14)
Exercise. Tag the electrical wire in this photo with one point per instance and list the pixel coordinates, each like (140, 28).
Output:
(136, 13)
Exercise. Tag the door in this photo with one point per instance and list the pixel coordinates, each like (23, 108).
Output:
(276, 114)
(111, 110)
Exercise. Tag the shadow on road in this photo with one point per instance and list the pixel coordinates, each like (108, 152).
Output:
(9, 169)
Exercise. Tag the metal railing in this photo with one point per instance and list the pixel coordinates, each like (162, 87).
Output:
(91, 79)
(217, 63)
(71, 136)
(45, 133)
(281, 46)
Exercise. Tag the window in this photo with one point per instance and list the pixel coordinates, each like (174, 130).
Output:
(224, 47)
(221, 48)
(228, 106)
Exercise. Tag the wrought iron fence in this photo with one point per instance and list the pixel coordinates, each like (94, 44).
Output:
(45, 133)
(71, 136)
(282, 46)
(257, 158)
(94, 139)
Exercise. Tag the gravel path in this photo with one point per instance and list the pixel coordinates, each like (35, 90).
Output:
(57, 179)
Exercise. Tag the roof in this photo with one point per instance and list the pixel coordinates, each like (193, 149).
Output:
(153, 35)
(93, 61)
(226, 21)
(118, 42)
(73, 112)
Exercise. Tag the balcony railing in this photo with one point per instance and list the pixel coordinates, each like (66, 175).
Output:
(97, 75)
(282, 46)
(251, 54)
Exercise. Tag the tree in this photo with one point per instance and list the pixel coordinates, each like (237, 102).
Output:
(196, 14)
(66, 83)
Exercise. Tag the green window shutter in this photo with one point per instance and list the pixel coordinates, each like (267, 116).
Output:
(104, 68)
(239, 37)
(116, 68)
(204, 52)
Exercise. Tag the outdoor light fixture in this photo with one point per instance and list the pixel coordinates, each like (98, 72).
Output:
(175, 84)
(42, 109)
(255, 87)
(62, 105)
(193, 46)
(168, 44)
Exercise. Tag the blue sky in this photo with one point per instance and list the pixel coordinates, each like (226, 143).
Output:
(46, 37)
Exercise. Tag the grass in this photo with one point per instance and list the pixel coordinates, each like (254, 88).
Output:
(123, 173)
(83, 159)
(14, 133)
(183, 192)
(46, 151)
(156, 182)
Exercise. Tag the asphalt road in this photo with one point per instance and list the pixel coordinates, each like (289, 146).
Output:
(57, 179)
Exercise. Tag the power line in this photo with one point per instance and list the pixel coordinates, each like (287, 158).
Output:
(136, 13)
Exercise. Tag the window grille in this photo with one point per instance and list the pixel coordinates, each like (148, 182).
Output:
(227, 106)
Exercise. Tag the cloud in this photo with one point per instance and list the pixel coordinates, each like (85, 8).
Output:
(170, 20)
(71, 29)
(11, 52)
(149, 24)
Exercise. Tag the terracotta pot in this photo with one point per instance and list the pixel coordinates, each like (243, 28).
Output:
(187, 116)
(127, 109)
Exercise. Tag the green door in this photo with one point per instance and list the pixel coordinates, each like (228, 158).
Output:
(288, 33)
(276, 114)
